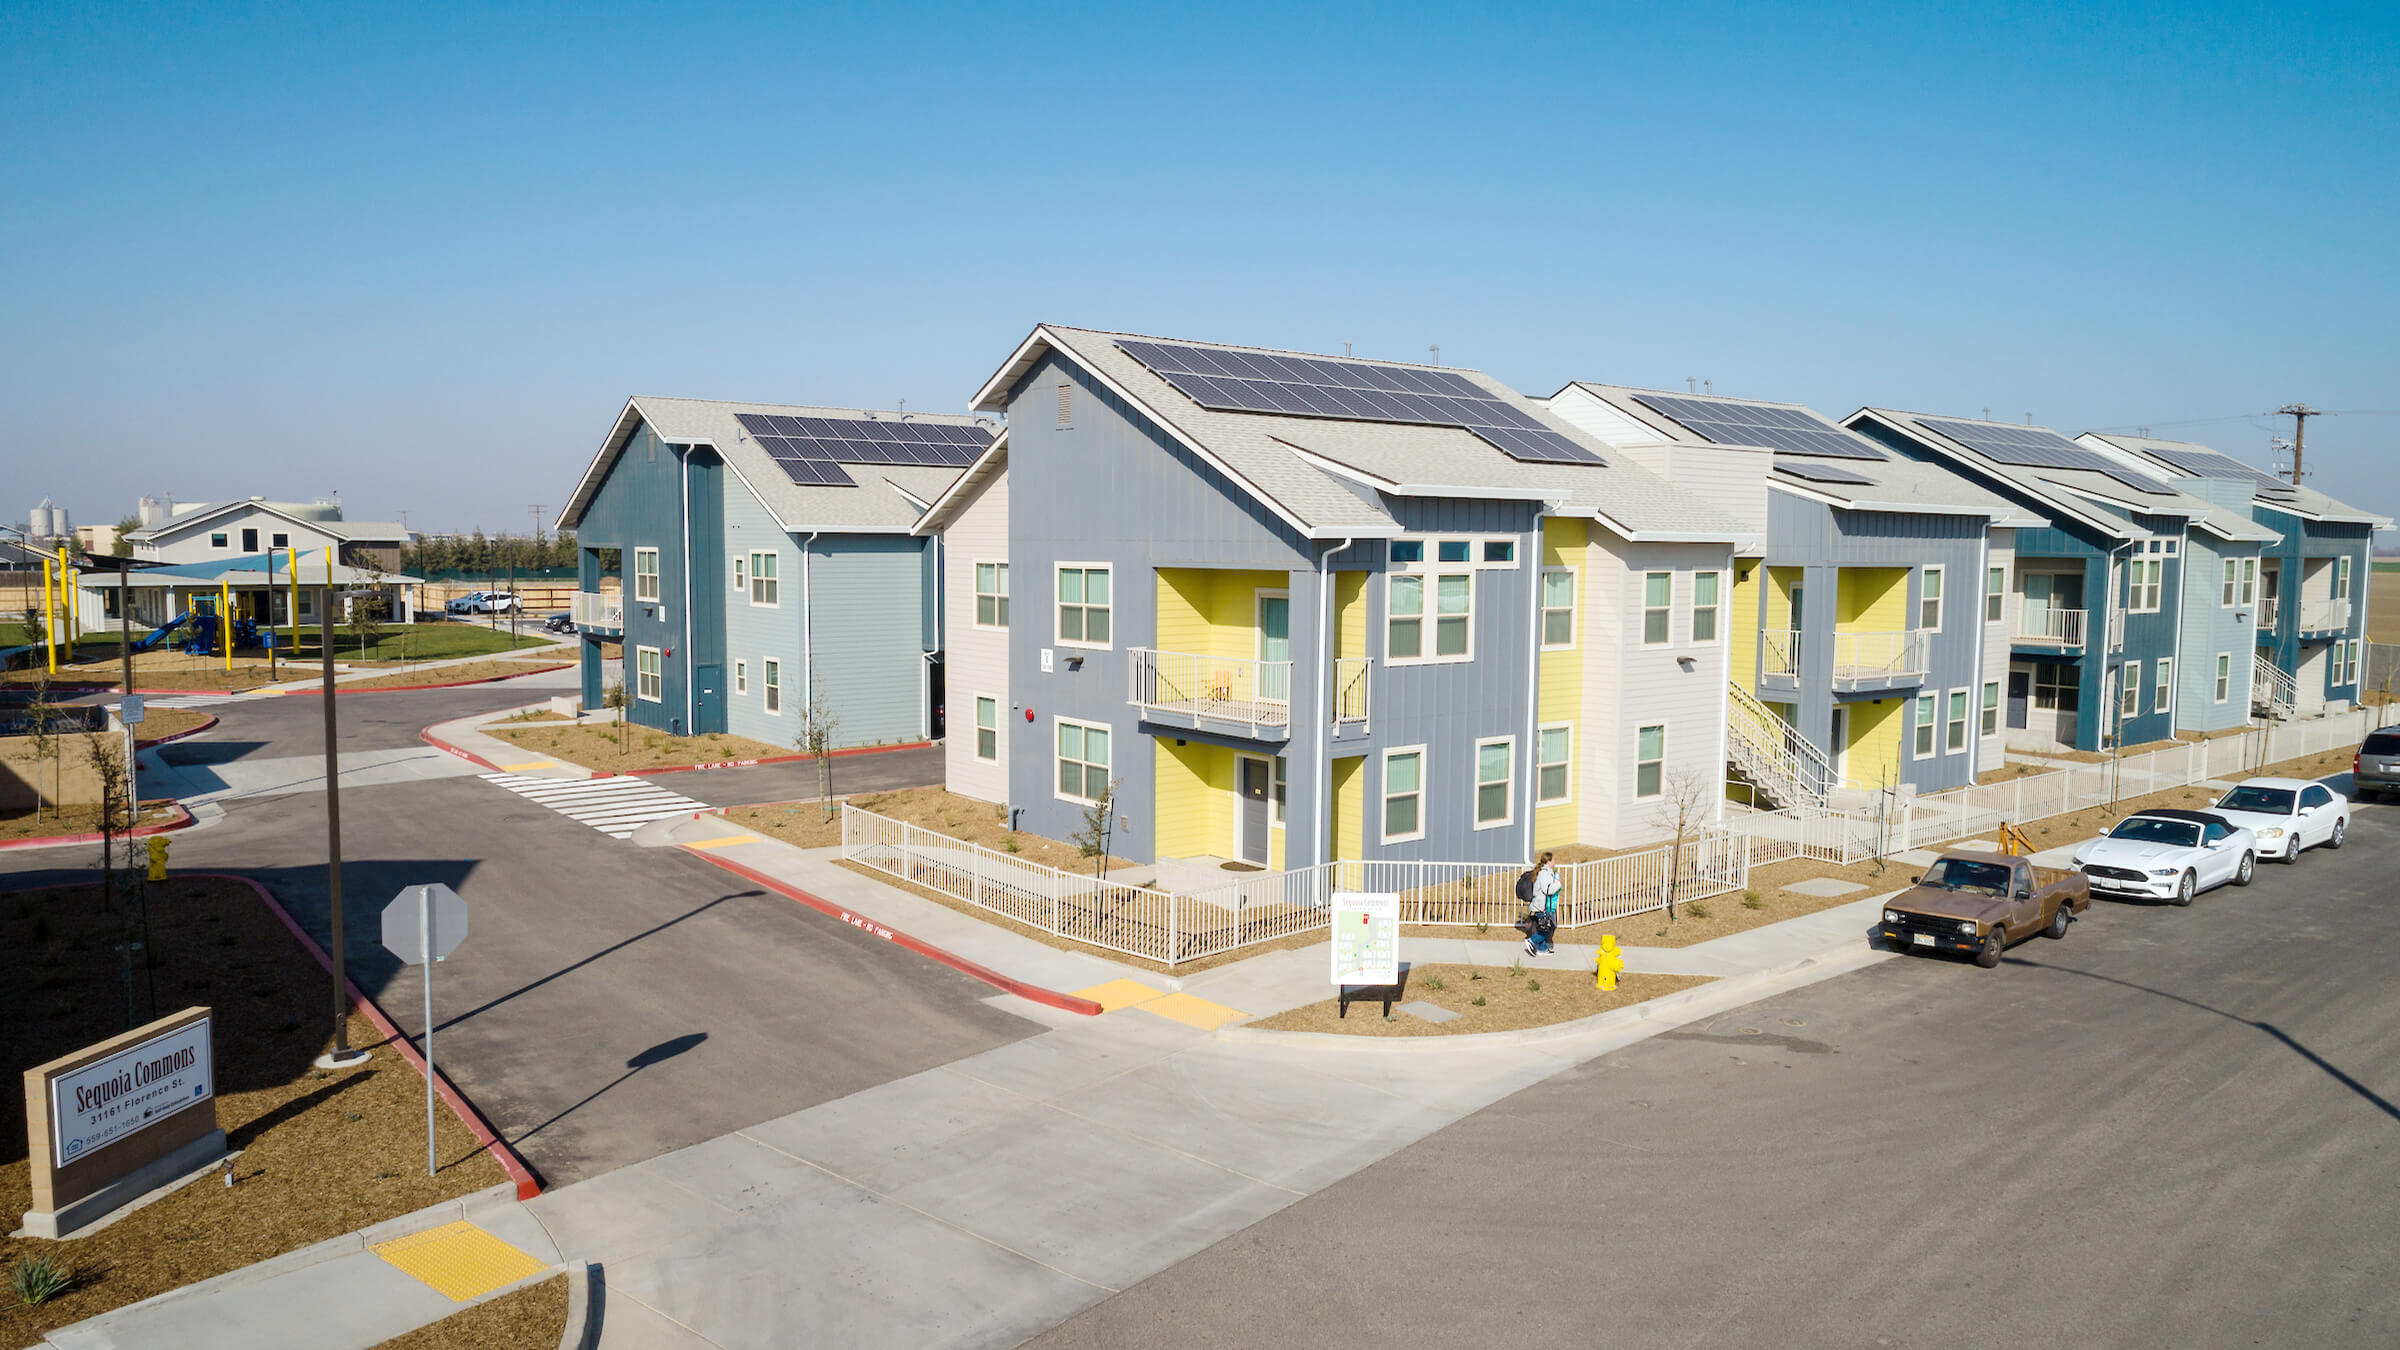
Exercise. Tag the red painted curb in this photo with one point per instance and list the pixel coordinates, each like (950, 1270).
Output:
(528, 1185)
(426, 735)
(140, 744)
(1007, 984)
(140, 832)
(780, 759)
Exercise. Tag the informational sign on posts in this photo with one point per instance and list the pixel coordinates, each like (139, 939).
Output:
(140, 1085)
(423, 925)
(1366, 938)
(118, 1119)
(130, 711)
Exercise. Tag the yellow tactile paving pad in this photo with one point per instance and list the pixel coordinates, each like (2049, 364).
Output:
(532, 764)
(1120, 994)
(725, 841)
(1193, 1012)
(459, 1260)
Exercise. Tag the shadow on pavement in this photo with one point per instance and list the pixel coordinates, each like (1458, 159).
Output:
(657, 1054)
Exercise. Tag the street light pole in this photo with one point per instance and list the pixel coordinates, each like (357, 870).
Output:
(341, 1056)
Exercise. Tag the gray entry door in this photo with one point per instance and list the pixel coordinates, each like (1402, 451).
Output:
(708, 699)
(1254, 810)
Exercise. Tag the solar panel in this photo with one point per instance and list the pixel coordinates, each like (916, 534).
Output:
(1309, 386)
(2210, 464)
(812, 450)
(1819, 473)
(2040, 448)
(1787, 429)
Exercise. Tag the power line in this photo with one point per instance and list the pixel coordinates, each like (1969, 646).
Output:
(2299, 413)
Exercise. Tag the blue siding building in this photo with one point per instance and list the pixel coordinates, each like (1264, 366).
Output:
(750, 557)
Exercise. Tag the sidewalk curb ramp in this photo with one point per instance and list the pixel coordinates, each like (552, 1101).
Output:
(528, 1185)
(139, 832)
(426, 735)
(1008, 984)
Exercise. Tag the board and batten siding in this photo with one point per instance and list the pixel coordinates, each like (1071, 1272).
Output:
(870, 663)
(977, 657)
(639, 504)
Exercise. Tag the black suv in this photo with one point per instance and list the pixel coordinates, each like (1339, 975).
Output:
(2377, 768)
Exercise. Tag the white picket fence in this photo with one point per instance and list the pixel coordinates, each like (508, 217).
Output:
(1172, 928)
(1899, 823)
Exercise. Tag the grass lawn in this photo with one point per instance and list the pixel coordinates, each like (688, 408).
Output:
(531, 1318)
(1486, 998)
(595, 747)
(323, 1153)
(15, 634)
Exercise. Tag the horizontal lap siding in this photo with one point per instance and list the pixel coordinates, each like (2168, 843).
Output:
(864, 607)
(755, 634)
(976, 658)
(639, 504)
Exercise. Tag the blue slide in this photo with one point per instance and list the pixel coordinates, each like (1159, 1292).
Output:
(159, 634)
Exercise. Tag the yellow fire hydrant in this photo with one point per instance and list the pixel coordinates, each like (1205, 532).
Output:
(158, 857)
(1608, 961)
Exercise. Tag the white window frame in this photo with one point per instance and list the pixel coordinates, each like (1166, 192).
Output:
(1995, 594)
(2129, 690)
(280, 539)
(1958, 713)
(1549, 609)
(1507, 783)
(1929, 599)
(1924, 726)
(770, 581)
(1988, 720)
(2249, 582)
(1107, 769)
(1279, 790)
(642, 678)
(999, 597)
(741, 678)
(2146, 583)
(2224, 683)
(1664, 732)
(741, 573)
(1566, 793)
(2162, 685)
(1716, 608)
(1058, 606)
(1383, 793)
(2341, 577)
(770, 686)
(648, 596)
(991, 701)
(1428, 615)
(1665, 611)
(2233, 583)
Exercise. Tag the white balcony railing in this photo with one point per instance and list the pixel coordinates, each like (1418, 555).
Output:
(2269, 611)
(1190, 687)
(1350, 689)
(1779, 655)
(2324, 616)
(1878, 660)
(2051, 627)
(601, 613)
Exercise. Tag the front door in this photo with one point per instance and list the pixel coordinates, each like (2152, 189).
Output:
(708, 699)
(1256, 781)
(2020, 691)
(1274, 644)
(1841, 745)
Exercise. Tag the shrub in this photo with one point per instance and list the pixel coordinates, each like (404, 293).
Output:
(1753, 900)
(1474, 973)
(1434, 982)
(38, 1279)
(1534, 985)
(1515, 968)
(1696, 909)
(1479, 1000)
(1012, 844)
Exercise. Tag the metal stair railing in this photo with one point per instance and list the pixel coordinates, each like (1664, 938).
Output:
(1775, 756)
(2272, 691)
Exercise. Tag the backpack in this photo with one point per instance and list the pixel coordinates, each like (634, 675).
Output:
(1525, 891)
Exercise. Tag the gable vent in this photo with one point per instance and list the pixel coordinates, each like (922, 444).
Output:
(1066, 403)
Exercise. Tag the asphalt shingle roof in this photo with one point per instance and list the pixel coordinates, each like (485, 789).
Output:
(2303, 497)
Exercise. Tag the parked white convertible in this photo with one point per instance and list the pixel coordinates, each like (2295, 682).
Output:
(2287, 815)
(2169, 855)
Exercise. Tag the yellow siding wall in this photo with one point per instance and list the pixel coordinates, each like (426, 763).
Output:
(1780, 582)
(1195, 800)
(1874, 743)
(1350, 614)
(1350, 807)
(1560, 694)
(1873, 600)
(1742, 640)
(1183, 600)
(1212, 612)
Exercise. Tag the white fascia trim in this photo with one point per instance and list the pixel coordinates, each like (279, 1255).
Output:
(911, 498)
(937, 515)
(1452, 490)
(610, 446)
(1964, 455)
(1891, 507)
(1672, 536)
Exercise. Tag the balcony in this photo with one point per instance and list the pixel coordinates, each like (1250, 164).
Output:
(2270, 613)
(2060, 628)
(1214, 693)
(603, 613)
(2324, 616)
(1878, 660)
(1350, 690)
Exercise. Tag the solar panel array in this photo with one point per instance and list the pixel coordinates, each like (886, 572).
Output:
(812, 450)
(1307, 386)
(2037, 448)
(1786, 429)
(2210, 464)
(1819, 473)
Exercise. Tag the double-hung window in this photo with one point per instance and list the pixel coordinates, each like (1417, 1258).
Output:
(1553, 778)
(1954, 732)
(741, 678)
(1658, 608)
(1650, 761)
(2233, 569)
(1495, 782)
(645, 574)
(1283, 788)
(1083, 606)
(1405, 638)
(2145, 578)
(1929, 601)
(1704, 606)
(1995, 589)
(649, 675)
(771, 677)
(2162, 691)
(2224, 688)
(1991, 707)
(2341, 578)
(763, 590)
(741, 572)
(2129, 690)
(2249, 582)
(1082, 761)
(991, 595)
(1927, 710)
(1558, 607)
(987, 729)
(1403, 795)
(1453, 605)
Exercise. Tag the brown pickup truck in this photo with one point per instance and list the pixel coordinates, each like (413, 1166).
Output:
(1981, 902)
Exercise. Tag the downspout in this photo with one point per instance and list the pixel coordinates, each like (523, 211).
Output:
(1725, 584)
(1322, 765)
(691, 702)
(2183, 558)
(941, 606)
(1532, 570)
(808, 633)
(1983, 640)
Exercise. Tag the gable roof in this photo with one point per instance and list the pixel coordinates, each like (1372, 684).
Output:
(2158, 456)
(1892, 483)
(1324, 476)
(987, 468)
(887, 500)
(344, 530)
(2080, 495)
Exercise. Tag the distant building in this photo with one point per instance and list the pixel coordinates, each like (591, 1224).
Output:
(97, 540)
(215, 531)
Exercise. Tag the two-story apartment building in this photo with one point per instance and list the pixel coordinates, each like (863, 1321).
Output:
(214, 532)
(2097, 594)
(1284, 608)
(1870, 631)
(768, 561)
(2307, 603)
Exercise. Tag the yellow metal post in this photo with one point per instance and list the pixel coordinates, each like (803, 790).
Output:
(1607, 962)
(291, 559)
(225, 622)
(49, 623)
(68, 613)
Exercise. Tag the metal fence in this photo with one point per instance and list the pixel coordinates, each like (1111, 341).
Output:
(1899, 823)
(1172, 928)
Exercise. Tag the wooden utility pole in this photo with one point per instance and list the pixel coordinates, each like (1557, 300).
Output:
(2299, 413)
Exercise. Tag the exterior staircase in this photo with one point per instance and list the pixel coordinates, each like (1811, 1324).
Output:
(2272, 692)
(1777, 762)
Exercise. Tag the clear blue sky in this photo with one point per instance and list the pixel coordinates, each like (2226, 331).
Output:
(422, 254)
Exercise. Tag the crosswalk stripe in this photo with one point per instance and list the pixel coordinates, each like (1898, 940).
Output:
(615, 807)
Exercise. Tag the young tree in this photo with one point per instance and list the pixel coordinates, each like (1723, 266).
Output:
(367, 613)
(817, 725)
(124, 544)
(1688, 800)
(107, 758)
(1099, 822)
(613, 699)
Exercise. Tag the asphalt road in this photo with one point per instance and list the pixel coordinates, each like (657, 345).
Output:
(294, 724)
(611, 1002)
(2175, 1127)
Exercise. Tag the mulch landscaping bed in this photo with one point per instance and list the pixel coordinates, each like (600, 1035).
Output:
(74, 820)
(595, 747)
(158, 724)
(506, 668)
(803, 823)
(323, 1153)
(532, 1318)
(1486, 998)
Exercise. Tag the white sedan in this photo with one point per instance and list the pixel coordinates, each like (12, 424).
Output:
(2169, 855)
(2287, 815)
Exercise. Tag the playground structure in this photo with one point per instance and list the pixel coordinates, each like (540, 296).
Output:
(205, 631)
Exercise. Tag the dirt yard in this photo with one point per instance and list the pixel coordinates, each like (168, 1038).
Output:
(75, 820)
(937, 809)
(532, 1318)
(158, 724)
(503, 669)
(1486, 998)
(595, 747)
(322, 1153)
